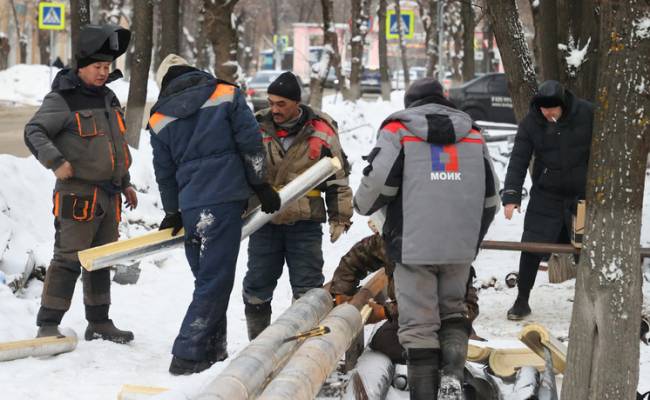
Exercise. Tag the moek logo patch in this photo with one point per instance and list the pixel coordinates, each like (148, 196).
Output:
(444, 163)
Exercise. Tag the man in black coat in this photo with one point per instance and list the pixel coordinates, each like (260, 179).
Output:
(557, 132)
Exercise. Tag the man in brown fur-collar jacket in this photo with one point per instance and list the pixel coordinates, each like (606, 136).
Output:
(295, 137)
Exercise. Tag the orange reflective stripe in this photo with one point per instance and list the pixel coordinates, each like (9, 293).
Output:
(221, 90)
(155, 119)
(127, 164)
(92, 208)
(56, 204)
(81, 131)
(118, 207)
(411, 139)
(110, 150)
(120, 122)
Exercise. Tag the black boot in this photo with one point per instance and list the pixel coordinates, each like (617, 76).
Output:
(453, 336)
(48, 330)
(181, 366)
(106, 330)
(258, 317)
(422, 371)
(519, 310)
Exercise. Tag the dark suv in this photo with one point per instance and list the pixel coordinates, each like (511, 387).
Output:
(485, 98)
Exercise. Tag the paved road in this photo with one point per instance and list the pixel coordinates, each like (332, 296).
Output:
(12, 123)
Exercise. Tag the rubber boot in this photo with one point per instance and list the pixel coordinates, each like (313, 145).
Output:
(48, 330)
(106, 330)
(519, 310)
(453, 336)
(258, 317)
(423, 373)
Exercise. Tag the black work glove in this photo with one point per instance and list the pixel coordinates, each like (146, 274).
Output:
(269, 198)
(174, 221)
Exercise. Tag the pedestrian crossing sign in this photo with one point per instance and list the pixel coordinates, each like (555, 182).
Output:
(408, 24)
(51, 16)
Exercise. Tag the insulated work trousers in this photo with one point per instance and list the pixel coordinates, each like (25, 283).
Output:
(85, 216)
(212, 239)
(268, 248)
(427, 295)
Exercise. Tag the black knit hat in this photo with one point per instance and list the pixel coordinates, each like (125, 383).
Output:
(287, 86)
(425, 90)
(550, 94)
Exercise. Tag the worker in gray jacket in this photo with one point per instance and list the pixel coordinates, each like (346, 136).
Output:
(79, 134)
(431, 170)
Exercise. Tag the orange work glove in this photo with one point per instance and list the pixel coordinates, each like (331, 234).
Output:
(378, 312)
(341, 298)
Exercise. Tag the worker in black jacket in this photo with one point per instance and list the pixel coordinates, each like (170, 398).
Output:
(557, 132)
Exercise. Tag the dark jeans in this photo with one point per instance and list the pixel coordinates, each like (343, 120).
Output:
(212, 238)
(268, 248)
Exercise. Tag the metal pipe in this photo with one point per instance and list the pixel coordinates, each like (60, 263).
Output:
(537, 247)
(526, 384)
(39, 347)
(376, 371)
(312, 363)
(247, 373)
(116, 253)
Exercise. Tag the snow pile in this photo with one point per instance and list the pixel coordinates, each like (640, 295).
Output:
(575, 55)
(155, 306)
(27, 85)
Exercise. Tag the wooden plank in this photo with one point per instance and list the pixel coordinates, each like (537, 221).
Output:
(537, 337)
(478, 354)
(133, 392)
(38, 347)
(505, 362)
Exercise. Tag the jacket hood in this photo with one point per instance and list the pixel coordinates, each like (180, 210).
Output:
(184, 95)
(434, 123)
(569, 105)
(67, 79)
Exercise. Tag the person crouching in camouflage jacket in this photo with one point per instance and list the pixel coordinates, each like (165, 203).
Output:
(79, 134)
(367, 256)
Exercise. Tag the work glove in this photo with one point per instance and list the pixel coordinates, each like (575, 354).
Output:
(378, 312)
(172, 220)
(337, 229)
(269, 198)
(341, 298)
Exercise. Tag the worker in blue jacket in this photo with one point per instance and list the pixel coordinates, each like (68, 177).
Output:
(207, 156)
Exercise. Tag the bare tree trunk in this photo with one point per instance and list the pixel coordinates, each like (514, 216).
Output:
(603, 359)
(383, 51)
(223, 36)
(44, 46)
(517, 61)
(360, 16)
(547, 40)
(331, 39)
(111, 11)
(22, 39)
(5, 48)
(202, 58)
(402, 45)
(170, 15)
(140, 64)
(469, 67)
(578, 26)
(429, 16)
(79, 16)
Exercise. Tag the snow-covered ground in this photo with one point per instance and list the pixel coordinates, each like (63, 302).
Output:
(154, 307)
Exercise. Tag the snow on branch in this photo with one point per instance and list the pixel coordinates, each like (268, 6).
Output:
(642, 28)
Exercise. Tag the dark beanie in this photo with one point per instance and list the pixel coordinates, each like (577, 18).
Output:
(287, 86)
(425, 90)
(550, 94)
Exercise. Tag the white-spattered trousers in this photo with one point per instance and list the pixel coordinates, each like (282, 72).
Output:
(426, 295)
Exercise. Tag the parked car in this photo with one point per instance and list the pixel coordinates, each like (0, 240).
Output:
(485, 98)
(370, 81)
(256, 89)
(415, 73)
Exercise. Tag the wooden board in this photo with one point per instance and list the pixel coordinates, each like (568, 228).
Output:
(478, 354)
(537, 337)
(129, 392)
(38, 347)
(505, 362)
(86, 257)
